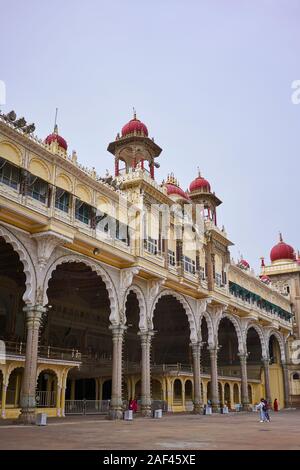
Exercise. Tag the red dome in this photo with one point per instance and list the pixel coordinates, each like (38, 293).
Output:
(54, 137)
(265, 279)
(199, 183)
(135, 125)
(282, 251)
(244, 264)
(173, 189)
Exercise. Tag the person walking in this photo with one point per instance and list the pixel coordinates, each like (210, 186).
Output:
(275, 405)
(261, 407)
(266, 411)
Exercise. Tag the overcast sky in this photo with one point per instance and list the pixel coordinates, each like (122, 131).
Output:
(210, 79)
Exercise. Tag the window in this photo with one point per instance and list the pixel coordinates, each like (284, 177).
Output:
(122, 232)
(82, 212)
(202, 273)
(37, 188)
(62, 200)
(296, 376)
(151, 245)
(9, 174)
(171, 258)
(189, 265)
(218, 279)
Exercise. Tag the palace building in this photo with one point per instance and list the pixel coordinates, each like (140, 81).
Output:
(119, 286)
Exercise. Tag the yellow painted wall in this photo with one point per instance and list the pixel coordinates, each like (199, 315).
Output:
(276, 384)
(40, 169)
(10, 152)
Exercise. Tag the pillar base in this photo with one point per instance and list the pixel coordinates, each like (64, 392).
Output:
(115, 413)
(198, 409)
(27, 416)
(146, 411)
(246, 407)
(215, 408)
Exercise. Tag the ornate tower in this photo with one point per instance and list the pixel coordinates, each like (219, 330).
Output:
(200, 193)
(134, 148)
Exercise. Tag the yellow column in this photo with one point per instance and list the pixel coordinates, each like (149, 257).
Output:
(17, 391)
(183, 394)
(63, 399)
(58, 399)
(3, 400)
(169, 394)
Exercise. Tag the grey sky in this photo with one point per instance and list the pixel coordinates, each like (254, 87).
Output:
(211, 80)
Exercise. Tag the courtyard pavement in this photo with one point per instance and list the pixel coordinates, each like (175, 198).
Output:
(172, 432)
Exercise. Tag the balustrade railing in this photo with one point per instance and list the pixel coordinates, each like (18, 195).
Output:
(19, 349)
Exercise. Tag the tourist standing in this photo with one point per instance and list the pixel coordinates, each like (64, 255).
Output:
(261, 408)
(275, 406)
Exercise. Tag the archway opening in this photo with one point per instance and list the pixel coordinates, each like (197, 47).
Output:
(46, 390)
(12, 288)
(250, 396)
(276, 372)
(78, 320)
(177, 392)
(254, 359)
(172, 338)
(227, 396)
(14, 388)
(156, 389)
(132, 341)
(205, 356)
(236, 394)
(106, 390)
(274, 350)
(228, 359)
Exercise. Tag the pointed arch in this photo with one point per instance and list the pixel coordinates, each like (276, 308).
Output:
(280, 340)
(185, 304)
(114, 316)
(25, 258)
(237, 325)
(259, 330)
(143, 324)
(210, 328)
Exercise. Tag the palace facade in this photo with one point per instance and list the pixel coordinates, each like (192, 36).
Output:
(118, 286)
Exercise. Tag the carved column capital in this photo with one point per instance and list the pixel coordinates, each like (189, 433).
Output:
(126, 277)
(46, 243)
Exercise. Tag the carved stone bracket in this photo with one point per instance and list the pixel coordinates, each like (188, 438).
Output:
(46, 243)
(154, 288)
(126, 277)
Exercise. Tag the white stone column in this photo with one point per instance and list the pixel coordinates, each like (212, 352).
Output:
(28, 391)
(198, 399)
(146, 337)
(244, 381)
(266, 363)
(213, 351)
(116, 404)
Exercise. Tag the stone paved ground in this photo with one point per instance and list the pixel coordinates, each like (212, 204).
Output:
(173, 432)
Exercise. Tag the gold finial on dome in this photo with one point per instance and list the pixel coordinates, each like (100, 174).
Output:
(199, 172)
(280, 237)
(172, 180)
(134, 112)
(55, 122)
